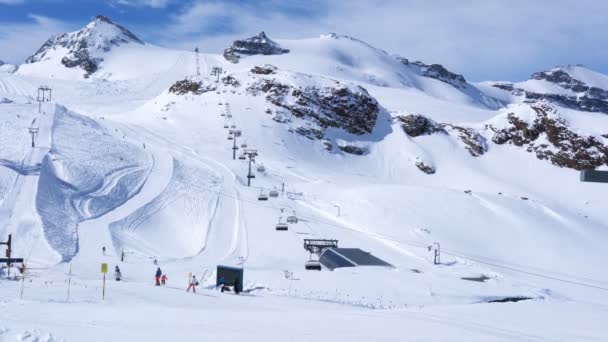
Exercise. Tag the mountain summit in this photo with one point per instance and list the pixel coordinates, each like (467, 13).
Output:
(256, 45)
(85, 48)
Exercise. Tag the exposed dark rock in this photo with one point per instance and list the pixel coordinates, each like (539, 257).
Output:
(309, 132)
(416, 125)
(565, 147)
(186, 86)
(436, 71)
(231, 81)
(481, 279)
(428, 169)
(352, 109)
(474, 142)
(264, 70)
(509, 299)
(350, 149)
(257, 45)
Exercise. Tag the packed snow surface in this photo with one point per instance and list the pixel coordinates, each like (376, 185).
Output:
(121, 162)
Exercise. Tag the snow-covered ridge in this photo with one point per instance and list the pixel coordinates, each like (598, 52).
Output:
(85, 48)
(570, 86)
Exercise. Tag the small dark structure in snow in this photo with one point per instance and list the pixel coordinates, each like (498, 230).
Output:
(229, 275)
(333, 258)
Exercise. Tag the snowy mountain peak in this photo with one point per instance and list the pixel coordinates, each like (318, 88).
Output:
(572, 86)
(256, 45)
(84, 48)
(574, 77)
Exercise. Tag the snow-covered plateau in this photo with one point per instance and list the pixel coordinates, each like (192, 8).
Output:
(134, 154)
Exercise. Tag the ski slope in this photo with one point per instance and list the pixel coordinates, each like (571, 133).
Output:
(121, 162)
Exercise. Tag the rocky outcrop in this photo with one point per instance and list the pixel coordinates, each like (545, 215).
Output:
(350, 108)
(256, 45)
(436, 71)
(101, 35)
(264, 70)
(474, 142)
(231, 81)
(550, 138)
(428, 169)
(351, 149)
(416, 125)
(186, 86)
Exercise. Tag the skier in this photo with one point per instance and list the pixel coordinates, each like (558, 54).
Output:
(163, 279)
(122, 256)
(237, 286)
(117, 273)
(223, 286)
(193, 284)
(158, 274)
(103, 250)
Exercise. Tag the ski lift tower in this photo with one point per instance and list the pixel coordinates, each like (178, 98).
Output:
(235, 133)
(41, 96)
(9, 260)
(198, 64)
(251, 154)
(33, 131)
(317, 246)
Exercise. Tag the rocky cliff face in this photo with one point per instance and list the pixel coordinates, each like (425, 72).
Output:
(550, 138)
(332, 104)
(547, 135)
(436, 71)
(416, 125)
(84, 48)
(256, 45)
(582, 96)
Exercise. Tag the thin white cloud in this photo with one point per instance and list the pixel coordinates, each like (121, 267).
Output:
(11, 2)
(483, 39)
(143, 3)
(19, 40)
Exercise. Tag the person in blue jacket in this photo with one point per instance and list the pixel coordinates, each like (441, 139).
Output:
(159, 273)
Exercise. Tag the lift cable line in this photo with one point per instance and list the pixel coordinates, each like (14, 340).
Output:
(520, 269)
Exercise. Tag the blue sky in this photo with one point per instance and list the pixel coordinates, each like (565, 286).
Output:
(482, 39)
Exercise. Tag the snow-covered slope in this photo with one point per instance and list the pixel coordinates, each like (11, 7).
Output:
(373, 150)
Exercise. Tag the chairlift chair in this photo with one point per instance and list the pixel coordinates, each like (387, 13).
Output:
(273, 193)
(242, 157)
(261, 168)
(244, 145)
(233, 126)
(262, 196)
(223, 114)
(281, 226)
(230, 137)
(312, 265)
(292, 218)
(226, 126)
(229, 115)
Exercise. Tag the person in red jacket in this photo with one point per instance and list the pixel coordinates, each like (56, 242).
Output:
(193, 284)
(163, 279)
